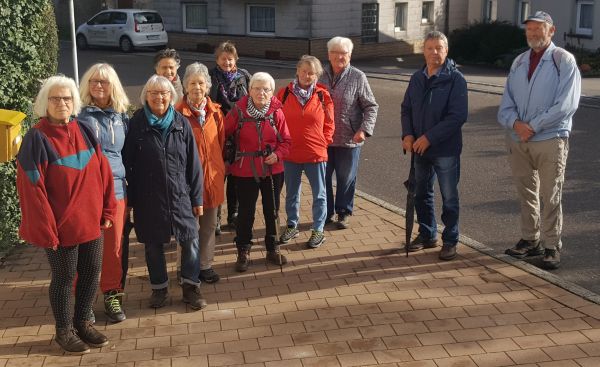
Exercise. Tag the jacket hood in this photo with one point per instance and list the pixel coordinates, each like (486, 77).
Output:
(448, 68)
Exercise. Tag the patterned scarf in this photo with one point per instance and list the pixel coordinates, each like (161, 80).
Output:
(200, 112)
(301, 94)
(227, 87)
(258, 114)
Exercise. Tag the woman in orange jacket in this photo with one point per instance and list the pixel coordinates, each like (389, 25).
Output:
(206, 119)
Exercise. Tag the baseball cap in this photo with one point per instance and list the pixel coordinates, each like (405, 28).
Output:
(540, 16)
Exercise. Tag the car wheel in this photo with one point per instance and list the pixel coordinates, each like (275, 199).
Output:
(81, 42)
(125, 44)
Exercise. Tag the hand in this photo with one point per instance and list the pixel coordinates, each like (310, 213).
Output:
(421, 145)
(407, 143)
(523, 130)
(359, 137)
(106, 224)
(271, 159)
(198, 211)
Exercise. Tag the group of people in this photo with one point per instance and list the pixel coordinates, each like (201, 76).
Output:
(86, 164)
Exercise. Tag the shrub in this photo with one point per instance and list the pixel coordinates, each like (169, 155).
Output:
(487, 43)
(29, 44)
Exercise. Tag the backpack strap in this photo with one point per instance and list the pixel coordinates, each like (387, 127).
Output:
(286, 93)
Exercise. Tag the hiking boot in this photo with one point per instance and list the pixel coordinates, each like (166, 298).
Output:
(316, 239)
(448, 252)
(343, 221)
(329, 220)
(192, 296)
(420, 243)
(70, 342)
(243, 260)
(525, 248)
(275, 257)
(551, 259)
(159, 297)
(112, 306)
(89, 335)
(209, 276)
(289, 233)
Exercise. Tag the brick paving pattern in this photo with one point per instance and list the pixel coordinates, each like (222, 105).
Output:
(353, 302)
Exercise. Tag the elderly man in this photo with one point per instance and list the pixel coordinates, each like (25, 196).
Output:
(541, 95)
(434, 109)
(355, 113)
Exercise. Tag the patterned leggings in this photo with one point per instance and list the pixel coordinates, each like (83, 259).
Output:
(85, 261)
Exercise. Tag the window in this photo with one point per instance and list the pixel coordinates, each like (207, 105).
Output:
(401, 11)
(118, 18)
(195, 18)
(524, 11)
(102, 18)
(260, 20)
(585, 14)
(370, 23)
(427, 12)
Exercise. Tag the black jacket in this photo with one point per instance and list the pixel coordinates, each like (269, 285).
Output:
(241, 86)
(164, 180)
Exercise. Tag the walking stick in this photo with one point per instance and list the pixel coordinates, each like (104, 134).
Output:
(268, 151)
(410, 201)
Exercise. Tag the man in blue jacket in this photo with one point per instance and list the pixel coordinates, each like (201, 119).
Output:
(434, 109)
(540, 98)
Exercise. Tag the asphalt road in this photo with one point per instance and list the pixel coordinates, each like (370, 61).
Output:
(489, 210)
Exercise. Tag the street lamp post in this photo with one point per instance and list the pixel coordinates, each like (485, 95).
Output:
(73, 42)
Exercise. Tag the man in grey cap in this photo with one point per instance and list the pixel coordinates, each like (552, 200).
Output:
(540, 98)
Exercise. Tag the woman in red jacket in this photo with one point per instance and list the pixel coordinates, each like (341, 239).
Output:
(66, 195)
(262, 141)
(308, 110)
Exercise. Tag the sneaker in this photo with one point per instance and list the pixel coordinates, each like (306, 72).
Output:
(192, 296)
(525, 248)
(159, 297)
(112, 306)
(275, 257)
(316, 239)
(343, 221)
(551, 259)
(218, 230)
(420, 243)
(90, 335)
(243, 260)
(70, 342)
(209, 276)
(290, 232)
(448, 252)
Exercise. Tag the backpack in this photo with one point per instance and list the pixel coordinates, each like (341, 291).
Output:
(557, 56)
(319, 94)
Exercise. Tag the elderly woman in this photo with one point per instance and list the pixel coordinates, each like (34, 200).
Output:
(164, 188)
(229, 85)
(355, 116)
(166, 63)
(67, 197)
(206, 119)
(104, 113)
(263, 141)
(308, 112)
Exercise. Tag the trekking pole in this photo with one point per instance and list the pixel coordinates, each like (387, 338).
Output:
(268, 151)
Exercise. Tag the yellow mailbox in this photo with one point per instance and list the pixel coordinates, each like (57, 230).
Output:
(10, 133)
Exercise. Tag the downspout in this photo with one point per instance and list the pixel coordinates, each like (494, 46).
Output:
(447, 16)
(310, 10)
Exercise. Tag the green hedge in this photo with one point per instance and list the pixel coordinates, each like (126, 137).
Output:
(29, 44)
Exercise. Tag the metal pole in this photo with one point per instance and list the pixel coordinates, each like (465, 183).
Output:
(73, 42)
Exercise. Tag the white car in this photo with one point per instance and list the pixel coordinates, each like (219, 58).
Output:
(123, 28)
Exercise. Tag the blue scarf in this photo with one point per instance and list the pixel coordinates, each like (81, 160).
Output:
(160, 123)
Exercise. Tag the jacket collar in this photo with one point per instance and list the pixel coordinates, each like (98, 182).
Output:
(243, 105)
(211, 107)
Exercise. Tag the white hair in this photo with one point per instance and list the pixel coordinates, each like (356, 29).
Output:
(40, 106)
(197, 69)
(261, 76)
(162, 83)
(340, 42)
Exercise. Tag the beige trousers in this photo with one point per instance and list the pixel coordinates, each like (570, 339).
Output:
(538, 170)
(208, 223)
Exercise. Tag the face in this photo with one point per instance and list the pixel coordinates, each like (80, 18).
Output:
(226, 61)
(306, 75)
(196, 88)
(99, 88)
(339, 59)
(538, 34)
(158, 100)
(167, 67)
(435, 52)
(60, 104)
(261, 93)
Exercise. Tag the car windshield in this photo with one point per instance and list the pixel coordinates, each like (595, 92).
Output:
(147, 18)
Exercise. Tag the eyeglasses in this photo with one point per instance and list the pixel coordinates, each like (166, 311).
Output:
(103, 83)
(161, 93)
(56, 100)
(262, 90)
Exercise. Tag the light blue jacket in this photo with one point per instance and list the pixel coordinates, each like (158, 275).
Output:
(110, 128)
(548, 101)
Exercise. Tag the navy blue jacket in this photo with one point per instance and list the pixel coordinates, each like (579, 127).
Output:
(164, 180)
(436, 107)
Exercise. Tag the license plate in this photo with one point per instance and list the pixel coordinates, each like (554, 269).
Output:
(153, 37)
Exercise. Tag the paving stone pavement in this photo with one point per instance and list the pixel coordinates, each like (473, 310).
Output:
(356, 301)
